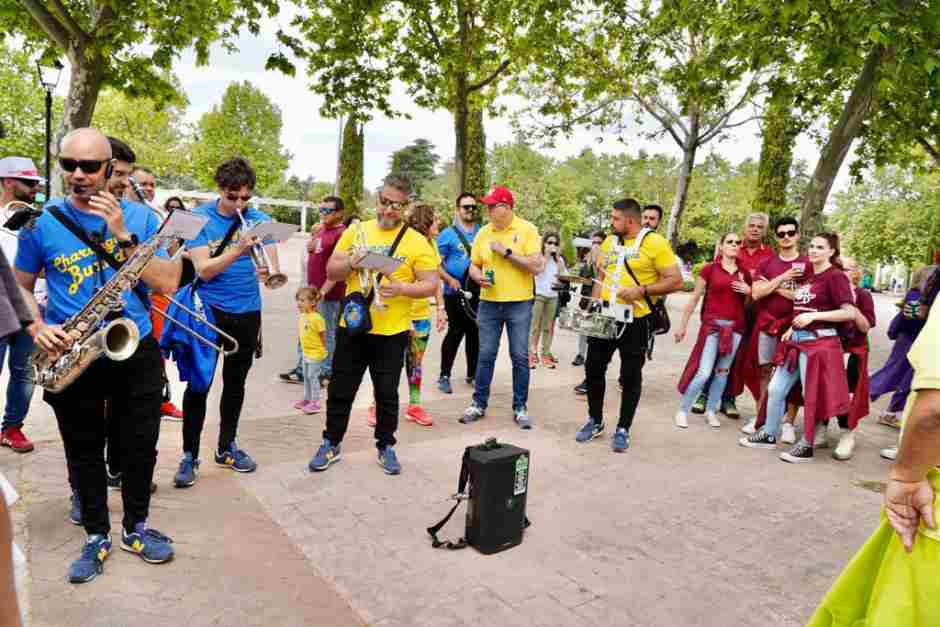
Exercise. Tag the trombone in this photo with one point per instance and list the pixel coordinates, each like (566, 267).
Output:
(259, 257)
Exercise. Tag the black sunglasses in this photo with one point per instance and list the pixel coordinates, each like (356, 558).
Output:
(398, 206)
(88, 166)
(236, 197)
(736, 242)
(551, 243)
(28, 182)
(469, 207)
(782, 234)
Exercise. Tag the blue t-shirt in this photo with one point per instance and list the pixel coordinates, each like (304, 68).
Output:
(235, 289)
(73, 271)
(453, 254)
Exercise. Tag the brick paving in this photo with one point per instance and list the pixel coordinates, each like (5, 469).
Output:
(686, 528)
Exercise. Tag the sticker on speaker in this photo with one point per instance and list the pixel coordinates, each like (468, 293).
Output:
(522, 475)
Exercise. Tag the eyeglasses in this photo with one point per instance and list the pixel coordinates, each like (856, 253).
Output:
(390, 204)
(326, 210)
(88, 166)
(469, 207)
(551, 243)
(783, 234)
(236, 197)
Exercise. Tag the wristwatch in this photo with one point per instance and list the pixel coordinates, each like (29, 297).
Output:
(129, 243)
(508, 253)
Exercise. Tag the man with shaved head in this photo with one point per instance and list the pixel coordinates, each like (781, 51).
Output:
(77, 241)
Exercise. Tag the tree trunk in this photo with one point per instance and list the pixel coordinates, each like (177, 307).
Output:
(351, 167)
(689, 148)
(776, 154)
(477, 179)
(461, 120)
(84, 86)
(856, 110)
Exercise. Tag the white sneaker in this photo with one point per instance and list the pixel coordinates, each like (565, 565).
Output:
(833, 430)
(712, 420)
(788, 436)
(681, 420)
(750, 427)
(846, 446)
(889, 453)
(822, 439)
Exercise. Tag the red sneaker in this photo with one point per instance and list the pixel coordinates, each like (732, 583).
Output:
(170, 411)
(549, 362)
(416, 413)
(370, 420)
(14, 438)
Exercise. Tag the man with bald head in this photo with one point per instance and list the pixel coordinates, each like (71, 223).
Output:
(75, 241)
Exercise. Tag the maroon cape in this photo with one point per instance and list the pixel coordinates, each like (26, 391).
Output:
(746, 369)
(725, 346)
(859, 407)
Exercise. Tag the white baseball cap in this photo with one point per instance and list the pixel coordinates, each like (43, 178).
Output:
(19, 168)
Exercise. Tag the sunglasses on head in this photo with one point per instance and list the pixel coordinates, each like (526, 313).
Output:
(88, 166)
(236, 197)
(790, 233)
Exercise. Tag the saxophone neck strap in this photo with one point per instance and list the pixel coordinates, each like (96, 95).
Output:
(99, 250)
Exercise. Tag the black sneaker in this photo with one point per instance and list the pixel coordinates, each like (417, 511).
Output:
(801, 453)
(578, 361)
(761, 439)
(581, 388)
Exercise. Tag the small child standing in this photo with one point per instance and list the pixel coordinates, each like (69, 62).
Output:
(312, 331)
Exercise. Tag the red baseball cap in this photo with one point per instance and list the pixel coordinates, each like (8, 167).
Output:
(498, 196)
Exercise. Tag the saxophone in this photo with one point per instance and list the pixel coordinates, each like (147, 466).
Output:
(117, 340)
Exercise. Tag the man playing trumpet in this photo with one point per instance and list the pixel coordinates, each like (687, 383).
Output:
(381, 349)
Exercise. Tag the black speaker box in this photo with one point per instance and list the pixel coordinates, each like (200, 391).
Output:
(499, 484)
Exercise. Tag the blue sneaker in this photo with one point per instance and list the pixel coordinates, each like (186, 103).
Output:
(91, 562)
(521, 417)
(443, 384)
(236, 459)
(389, 461)
(186, 475)
(152, 546)
(621, 440)
(472, 414)
(589, 431)
(75, 509)
(326, 455)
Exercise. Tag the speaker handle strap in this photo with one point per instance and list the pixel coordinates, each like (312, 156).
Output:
(461, 495)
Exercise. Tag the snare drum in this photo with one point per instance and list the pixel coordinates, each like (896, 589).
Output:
(592, 324)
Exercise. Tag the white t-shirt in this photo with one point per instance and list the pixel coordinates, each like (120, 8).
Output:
(547, 277)
(8, 242)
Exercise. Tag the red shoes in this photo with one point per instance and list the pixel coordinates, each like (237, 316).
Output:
(416, 413)
(14, 438)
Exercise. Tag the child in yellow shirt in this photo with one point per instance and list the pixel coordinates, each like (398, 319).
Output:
(312, 331)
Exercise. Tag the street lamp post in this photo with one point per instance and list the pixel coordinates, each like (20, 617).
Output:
(49, 78)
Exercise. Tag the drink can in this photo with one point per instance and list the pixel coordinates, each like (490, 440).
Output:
(491, 276)
(799, 267)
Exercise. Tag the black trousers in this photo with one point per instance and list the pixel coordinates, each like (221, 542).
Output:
(244, 327)
(128, 392)
(632, 346)
(852, 373)
(459, 326)
(384, 356)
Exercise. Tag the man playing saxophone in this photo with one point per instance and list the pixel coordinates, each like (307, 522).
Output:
(131, 388)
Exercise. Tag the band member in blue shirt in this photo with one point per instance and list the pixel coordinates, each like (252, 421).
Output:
(128, 390)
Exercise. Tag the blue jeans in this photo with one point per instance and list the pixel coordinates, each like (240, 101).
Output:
(491, 316)
(329, 309)
(312, 379)
(784, 380)
(20, 387)
(705, 366)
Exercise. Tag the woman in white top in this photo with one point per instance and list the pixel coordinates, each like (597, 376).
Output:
(546, 302)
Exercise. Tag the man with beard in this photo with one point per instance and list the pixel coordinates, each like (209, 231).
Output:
(652, 216)
(381, 350)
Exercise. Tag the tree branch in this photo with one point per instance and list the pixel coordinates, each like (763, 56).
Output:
(68, 21)
(667, 126)
(492, 77)
(47, 21)
(920, 139)
(706, 137)
(433, 34)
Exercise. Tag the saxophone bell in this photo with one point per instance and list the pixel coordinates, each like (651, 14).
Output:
(117, 340)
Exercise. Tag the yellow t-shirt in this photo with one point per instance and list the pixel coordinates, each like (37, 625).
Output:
(421, 307)
(510, 283)
(417, 255)
(311, 325)
(654, 255)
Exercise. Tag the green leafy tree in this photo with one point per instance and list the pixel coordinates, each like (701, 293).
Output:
(417, 161)
(352, 167)
(129, 46)
(246, 123)
(22, 107)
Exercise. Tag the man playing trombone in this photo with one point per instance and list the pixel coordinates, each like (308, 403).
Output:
(228, 285)
(76, 240)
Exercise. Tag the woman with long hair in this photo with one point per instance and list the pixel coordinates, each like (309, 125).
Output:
(724, 289)
(811, 353)
(546, 302)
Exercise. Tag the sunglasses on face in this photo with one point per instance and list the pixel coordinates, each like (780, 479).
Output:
(733, 242)
(468, 207)
(28, 183)
(236, 197)
(326, 210)
(88, 166)
(390, 204)
(783, 234)
(550, 243)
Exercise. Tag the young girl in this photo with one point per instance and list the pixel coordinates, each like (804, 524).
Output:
(546, 302)
(312, 330)
(421, 218)
(726, 289)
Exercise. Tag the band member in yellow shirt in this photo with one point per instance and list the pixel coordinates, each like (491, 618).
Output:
(506, 255)
(382, 348)
(653, 263)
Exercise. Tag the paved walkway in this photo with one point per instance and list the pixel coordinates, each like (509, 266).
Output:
(686, 528)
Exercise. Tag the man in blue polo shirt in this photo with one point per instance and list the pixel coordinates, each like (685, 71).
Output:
(453, 245)
(129, 390)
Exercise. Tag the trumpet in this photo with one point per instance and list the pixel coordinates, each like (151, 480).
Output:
(367, 279)
(259, 257)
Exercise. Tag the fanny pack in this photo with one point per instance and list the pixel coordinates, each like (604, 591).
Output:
(355, 307)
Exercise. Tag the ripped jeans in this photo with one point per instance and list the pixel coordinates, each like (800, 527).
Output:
(706, 364)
